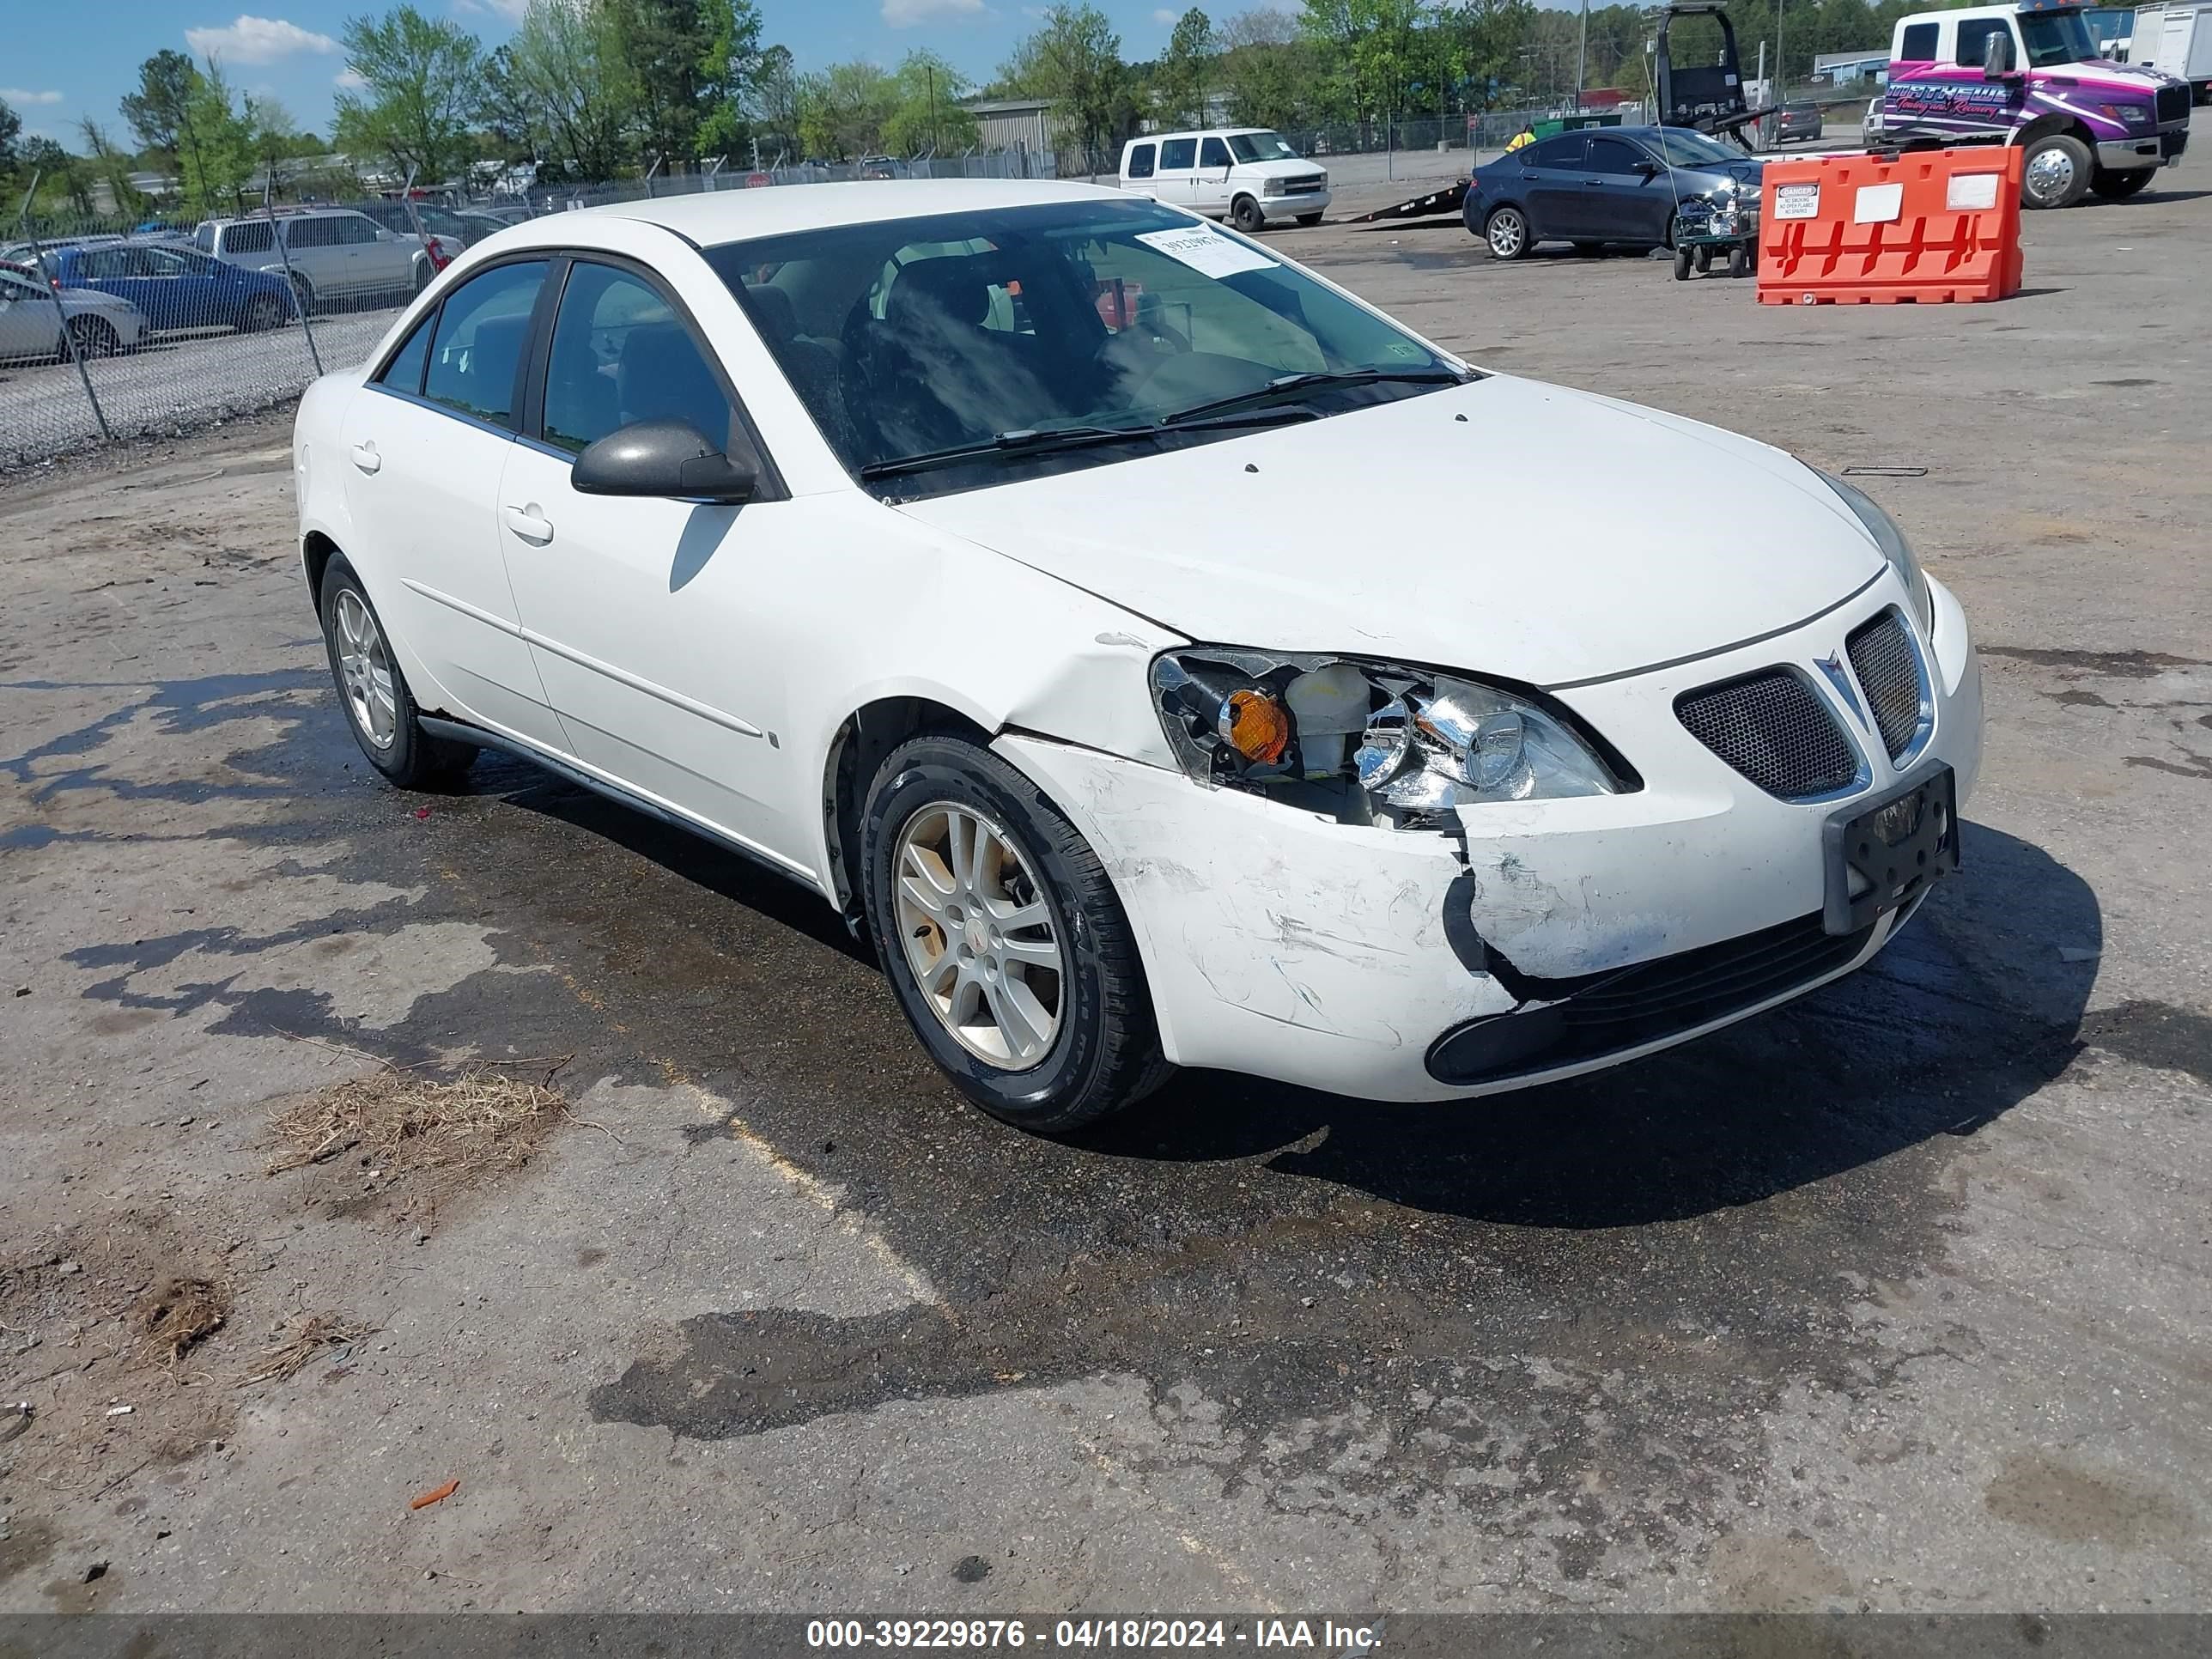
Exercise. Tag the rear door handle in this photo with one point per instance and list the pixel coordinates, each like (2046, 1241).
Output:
(366, 458)
(524, 522)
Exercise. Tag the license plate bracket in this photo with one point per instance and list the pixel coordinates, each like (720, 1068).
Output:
(1900, 844)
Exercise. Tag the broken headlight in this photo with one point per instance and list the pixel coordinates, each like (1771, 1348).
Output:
(1367, 741)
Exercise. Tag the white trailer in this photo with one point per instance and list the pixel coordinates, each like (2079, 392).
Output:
(2176, 38)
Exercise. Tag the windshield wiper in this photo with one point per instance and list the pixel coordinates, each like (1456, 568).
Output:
(1031, 442)
(1288, 385)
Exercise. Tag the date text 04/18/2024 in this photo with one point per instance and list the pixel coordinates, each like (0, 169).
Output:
(1318, 1636)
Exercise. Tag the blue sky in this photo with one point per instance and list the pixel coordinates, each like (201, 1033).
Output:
(56, 69)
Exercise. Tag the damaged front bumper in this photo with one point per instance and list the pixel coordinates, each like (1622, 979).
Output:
(1557, 937)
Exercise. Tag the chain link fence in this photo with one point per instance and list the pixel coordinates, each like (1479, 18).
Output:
(111, 330)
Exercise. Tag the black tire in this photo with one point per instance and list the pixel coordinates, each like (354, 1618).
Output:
(2115, 186)
(303, 294)
(1244, 214)
(1682, 264)
(1739, 261)
(1106, 1052)
(1506, 231)
(2056, 186)
(424, 275)
(263, 313)
(413, 759)
(1704, 260)
(92, 337)
(1309, 220)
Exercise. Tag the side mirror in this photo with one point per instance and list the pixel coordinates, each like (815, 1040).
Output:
(667, 458)
(1996, 57)
(1649, 170)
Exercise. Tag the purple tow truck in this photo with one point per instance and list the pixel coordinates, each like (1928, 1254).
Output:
(2031, 74)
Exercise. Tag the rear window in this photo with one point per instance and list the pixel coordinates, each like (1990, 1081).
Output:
(1919, 44)
(253, 238)
(1141, 161)
(1177, 154)
(1563, 151)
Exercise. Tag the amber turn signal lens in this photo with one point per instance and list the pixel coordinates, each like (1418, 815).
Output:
(1256, 725)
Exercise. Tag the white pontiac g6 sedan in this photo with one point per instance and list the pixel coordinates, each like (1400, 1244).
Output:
(1166, 658)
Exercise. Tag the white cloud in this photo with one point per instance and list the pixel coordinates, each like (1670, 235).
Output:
(1166, 19)
(256, 40)
(347, 80)
(510, 9)
(905, 14)
(19, 97)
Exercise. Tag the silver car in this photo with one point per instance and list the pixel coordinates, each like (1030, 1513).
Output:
(100, 325)
(333, 253)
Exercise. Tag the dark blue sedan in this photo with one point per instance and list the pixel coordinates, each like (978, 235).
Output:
(177, 286)
(1621, 185)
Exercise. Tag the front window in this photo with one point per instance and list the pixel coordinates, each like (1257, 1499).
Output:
(911, 337)
(2053, 38)
(1261, 147)
(1686, 149)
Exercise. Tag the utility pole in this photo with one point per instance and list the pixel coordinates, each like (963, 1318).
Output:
(1582, 57)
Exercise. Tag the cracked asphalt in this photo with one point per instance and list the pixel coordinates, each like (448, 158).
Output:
(1896, 1298)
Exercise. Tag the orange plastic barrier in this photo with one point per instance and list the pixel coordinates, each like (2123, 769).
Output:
(1932, 226)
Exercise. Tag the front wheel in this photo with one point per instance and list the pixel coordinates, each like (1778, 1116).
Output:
(1004, 940)
(1739, 261)
(1682, 264)
(303, 294)
(1244, 214)
(263, 313)
(2115, 186)
(2057, 172)
(93, 337)
(1506, 230)
(379, 706)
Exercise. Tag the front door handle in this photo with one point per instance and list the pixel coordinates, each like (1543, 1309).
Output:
(526, 522)
(366, 458)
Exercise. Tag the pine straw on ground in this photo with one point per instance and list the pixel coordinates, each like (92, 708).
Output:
(179, 1314)
(299, 1340)
(401, 1123)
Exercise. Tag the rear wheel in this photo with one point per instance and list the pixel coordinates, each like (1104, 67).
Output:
(1004, 941)
(1244, 214)
(263, 313)
(94, 337)
(378, 705)
(1506, 230)
(1738, 260)
(2057, 171)
(2118, 186)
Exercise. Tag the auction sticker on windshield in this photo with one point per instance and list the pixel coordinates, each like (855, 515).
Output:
(1797, 201)
(1203, 248)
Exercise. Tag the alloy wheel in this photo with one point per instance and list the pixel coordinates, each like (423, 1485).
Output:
(978, 935)
(365, 670)
(1506, 232)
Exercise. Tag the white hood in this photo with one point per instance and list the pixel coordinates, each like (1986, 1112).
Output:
(1549, 536)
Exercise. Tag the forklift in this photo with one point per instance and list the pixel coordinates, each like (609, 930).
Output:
(1708, 98)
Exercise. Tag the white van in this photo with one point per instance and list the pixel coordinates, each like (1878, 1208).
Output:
(1247, 175)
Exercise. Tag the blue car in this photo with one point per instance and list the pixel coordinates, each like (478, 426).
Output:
(1617, 184)
(177, 286)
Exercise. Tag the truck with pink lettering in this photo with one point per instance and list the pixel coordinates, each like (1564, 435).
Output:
(2031, 74)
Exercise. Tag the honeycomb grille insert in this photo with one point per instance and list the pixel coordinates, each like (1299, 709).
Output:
(1774, 729)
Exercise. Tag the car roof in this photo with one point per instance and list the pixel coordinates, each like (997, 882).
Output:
(731, 216)
(1195, 132)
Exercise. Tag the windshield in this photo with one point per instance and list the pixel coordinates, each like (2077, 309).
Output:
(907, 337)
(2056, 37)
(1260, 146)
(1686, 149)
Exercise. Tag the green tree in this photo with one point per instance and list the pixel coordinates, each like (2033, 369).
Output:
(11, 136)
(1373, 50)
(1185, 75)
(159, 112)
(843, 110)
(688, 60)
(771, 102)
(925, 112)
(112, 166)
(1075, 60)
(218, 160)
(422, 75)
(567, 67)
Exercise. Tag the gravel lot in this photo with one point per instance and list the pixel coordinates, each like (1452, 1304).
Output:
(1897, 1298)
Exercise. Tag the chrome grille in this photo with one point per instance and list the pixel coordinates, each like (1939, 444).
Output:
(1889, 673)
(1774, 729)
